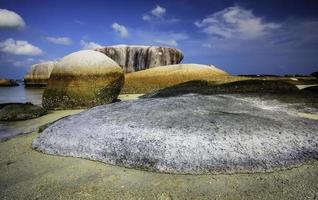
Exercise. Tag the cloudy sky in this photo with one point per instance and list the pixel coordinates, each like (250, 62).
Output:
(241, 37)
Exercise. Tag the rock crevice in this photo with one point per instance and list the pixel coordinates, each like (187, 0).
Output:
(135, 58)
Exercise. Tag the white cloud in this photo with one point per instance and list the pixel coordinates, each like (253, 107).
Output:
(158, 15)
(79, 22)
(167, 42)
(146, 17)
(10, 19)
(164, 38)
(19, 47)
(59, 40)
(120, 29)
(236, 22)
(89, 45)
(158, 11)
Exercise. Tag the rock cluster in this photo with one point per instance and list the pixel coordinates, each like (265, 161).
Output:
(83, 79)
(135, 58)
(39, 74)
(8, 83)
(193, 134)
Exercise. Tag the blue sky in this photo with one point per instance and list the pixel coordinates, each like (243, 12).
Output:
(241, 37)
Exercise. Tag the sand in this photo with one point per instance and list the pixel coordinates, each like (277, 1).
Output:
(28, 174)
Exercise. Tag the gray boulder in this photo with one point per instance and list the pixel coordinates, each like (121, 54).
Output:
(136, 57)
(193, 134)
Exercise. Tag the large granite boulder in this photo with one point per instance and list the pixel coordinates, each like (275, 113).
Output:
(193, 134)
(39, 74)
(165, 76)
(20, 111)
(83, 79)
(135, 58)
(8, 83)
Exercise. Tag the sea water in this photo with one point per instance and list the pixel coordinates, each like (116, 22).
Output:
(21, 94)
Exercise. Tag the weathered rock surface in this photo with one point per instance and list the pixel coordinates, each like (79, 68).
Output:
(136, 57)
(166, 76)
(83, 79)
(39, 74)
(8, 83)
(193, 134)
(20, 111)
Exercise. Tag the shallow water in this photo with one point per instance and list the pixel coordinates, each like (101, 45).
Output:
(20, 94)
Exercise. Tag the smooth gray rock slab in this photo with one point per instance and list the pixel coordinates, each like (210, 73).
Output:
(137, 57)
(193, 134)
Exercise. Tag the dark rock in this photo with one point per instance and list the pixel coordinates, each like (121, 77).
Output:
(135, 58)
(8, 83)
(20, 111)
(241, 87)
(193, 134)
(315, 74)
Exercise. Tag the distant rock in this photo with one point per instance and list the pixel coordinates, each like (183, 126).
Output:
(39, 74)
(135, 58)
(315, 74)
(8, 83)
(83, 79)
(193, 134)
(165, 76)
(20, 111)
(259, 75)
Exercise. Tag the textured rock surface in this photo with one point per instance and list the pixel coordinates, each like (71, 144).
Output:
(20, 111)
(83, 79)
(39, 74)
(8, 83)
(135, 58)
(187, 134)
(239, 87)
(165, 76)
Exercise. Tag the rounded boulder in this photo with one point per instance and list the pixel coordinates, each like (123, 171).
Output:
(39, 74)
(83, 79)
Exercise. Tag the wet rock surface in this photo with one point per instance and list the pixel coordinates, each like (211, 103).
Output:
(136, 57)
(20, 111)
(193, 134)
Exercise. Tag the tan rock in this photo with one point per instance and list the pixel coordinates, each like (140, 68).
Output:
(165, 76)
(39, 74)
(83, 79)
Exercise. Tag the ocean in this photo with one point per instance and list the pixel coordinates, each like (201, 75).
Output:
(21, 94)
